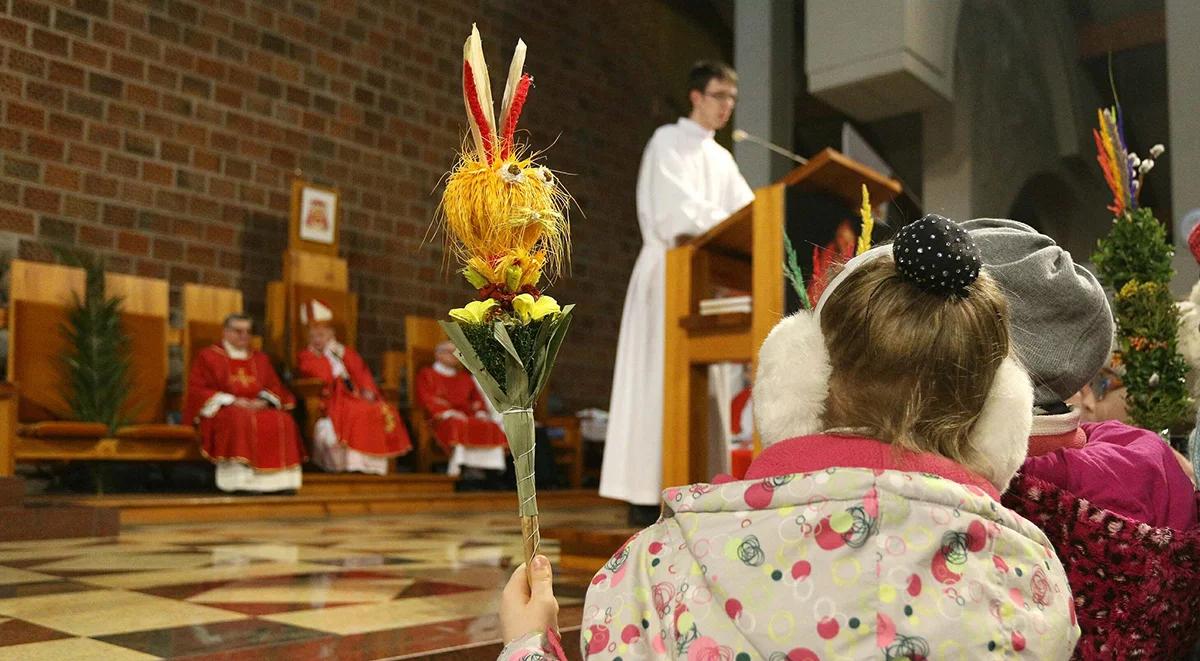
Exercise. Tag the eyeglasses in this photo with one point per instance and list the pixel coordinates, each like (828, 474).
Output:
(723, 97)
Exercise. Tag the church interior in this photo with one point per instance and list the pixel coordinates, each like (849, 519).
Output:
(286, 378)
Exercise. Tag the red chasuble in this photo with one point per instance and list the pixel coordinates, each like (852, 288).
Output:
(370, 427)
(439, 393)
(266, 439)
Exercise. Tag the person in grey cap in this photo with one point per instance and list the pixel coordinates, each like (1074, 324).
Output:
(1062, 332)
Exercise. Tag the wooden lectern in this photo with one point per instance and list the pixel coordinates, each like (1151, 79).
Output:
(745, 252)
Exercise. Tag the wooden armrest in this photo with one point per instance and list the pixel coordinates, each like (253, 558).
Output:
(390, 393)
(307, 387)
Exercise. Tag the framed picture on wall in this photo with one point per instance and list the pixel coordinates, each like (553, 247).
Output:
(318, 214)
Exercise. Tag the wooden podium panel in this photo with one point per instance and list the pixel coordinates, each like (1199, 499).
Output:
(744, 252)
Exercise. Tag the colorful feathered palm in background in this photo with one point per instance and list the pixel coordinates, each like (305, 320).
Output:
(505, 219)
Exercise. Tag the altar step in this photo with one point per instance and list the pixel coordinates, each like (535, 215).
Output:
(137, 509)
(340, 484)
(21, 521)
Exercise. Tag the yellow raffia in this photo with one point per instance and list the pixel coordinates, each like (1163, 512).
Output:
(512, 214)
(868, 223)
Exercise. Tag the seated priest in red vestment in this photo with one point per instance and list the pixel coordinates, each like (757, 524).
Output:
(359, 432)
(243, 413)
(462, 422)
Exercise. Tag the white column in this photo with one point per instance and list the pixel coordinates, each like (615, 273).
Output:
(1183, 147)
(763, 47)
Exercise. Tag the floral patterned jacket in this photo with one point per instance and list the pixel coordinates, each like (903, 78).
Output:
(842, 563)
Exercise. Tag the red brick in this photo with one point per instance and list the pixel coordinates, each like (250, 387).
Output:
(95, 236)
(105, 136)
(94, 184)
(64, 126)
(44, 147)
(61, 177)
(12, 220)
(81, 208)
(49, 42)
(170, 200)
(192, 134)
(145, 47)
(134, 243)
(84, 156)
(66, 74)
(110, 35)
(137, 194)
(88, 54)
(222, 188)
(222, 235)
(10, 138)
(119, 216)
(198, 255)
(10, 85)
(161, 77)
(153, 173)
(23, 115)
(121, 165)
(13, 31)
(206, 160)
(141, 95)
(168, 249)
(49, 96)
(174, 152)
(129, 67)
(228, 96)
(41, 199)
(148, 268)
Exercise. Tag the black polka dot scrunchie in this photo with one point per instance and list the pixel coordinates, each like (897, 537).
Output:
(937, 255)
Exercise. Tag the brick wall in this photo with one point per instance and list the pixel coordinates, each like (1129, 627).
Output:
(163, 135)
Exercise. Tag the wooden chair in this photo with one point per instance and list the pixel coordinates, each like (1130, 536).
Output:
(204, 312)
(145, 316)
(41, 298)
(306, 276)
(421, 336)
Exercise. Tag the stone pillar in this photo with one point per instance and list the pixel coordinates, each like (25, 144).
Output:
(1183, 146)
(763, 54)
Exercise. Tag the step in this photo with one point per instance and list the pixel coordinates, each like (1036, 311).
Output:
(57, 522)
(138, 509)
(12, 491)
(330, 484)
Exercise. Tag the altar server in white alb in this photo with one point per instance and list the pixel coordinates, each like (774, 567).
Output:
(687, 184)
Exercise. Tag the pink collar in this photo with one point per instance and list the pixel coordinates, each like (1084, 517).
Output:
(807, 454)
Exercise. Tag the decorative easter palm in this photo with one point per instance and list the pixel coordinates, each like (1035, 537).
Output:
(1134, 260)
(504, 216)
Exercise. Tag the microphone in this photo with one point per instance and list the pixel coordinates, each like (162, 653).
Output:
(739, 135)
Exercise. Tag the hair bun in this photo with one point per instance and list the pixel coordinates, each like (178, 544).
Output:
(937, 255)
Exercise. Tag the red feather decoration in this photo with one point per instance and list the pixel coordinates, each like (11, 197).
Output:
(514, 113)
(477, 110)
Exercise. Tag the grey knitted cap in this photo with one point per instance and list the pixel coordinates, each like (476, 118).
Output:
(1062, 327)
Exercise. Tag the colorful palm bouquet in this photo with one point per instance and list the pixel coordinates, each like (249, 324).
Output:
(1134, 260)
(504, 216)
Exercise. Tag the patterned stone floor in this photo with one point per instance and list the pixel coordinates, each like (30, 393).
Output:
(368, 588)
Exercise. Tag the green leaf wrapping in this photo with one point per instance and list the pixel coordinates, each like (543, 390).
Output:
(519, 428)
(512, 364)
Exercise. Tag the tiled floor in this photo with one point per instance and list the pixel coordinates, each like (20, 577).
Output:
(367, 588)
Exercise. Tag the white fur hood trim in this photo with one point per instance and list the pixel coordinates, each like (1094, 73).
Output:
(792, 384)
